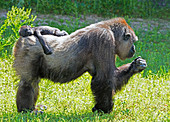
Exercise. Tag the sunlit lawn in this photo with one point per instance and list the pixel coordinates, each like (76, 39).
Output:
(145, 98)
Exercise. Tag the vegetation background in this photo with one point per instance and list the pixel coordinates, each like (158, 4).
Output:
(147, 95)
(135, 8)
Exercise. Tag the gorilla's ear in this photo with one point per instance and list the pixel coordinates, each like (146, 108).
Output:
(127, 36)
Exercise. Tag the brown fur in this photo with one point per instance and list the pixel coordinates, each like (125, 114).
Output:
(91, 49)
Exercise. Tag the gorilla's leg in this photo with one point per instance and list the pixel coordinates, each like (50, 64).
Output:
(27, 95)
(103, 92)
(36, 92)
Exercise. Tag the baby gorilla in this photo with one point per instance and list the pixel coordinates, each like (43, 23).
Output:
(38, 32)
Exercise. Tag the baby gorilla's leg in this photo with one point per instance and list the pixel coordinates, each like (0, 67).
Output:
(60, 33)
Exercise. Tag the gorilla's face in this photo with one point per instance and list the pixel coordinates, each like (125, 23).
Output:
(131, 52)
(125, 47)
(26, 31)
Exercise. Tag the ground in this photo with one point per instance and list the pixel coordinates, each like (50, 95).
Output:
(135, 22)
(145, 97)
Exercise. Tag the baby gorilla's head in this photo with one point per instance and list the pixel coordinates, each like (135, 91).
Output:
(26, 31)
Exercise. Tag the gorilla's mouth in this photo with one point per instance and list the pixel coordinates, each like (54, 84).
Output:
(131, 52)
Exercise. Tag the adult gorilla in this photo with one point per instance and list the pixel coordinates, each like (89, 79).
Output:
(91, 49)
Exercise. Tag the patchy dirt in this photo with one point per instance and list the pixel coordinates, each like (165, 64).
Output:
(143, 24)
(88, 19)
(3, 13)
(136, 23)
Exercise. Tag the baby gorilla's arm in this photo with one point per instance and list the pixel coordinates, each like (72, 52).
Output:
(43, 43)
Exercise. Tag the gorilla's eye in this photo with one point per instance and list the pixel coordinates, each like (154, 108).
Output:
(127, 36)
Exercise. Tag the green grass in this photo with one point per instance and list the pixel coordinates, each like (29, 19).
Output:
(142, 99)
(145, 98)
(133, 8)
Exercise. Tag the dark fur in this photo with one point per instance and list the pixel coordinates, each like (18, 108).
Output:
(91, 49)
(38, 32)
(44, 30)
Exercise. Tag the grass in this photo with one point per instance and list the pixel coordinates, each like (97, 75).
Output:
(145, 98)
(142, 99)
(134, 8)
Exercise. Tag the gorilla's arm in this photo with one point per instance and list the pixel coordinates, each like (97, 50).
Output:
(121, 76)
(124, 72)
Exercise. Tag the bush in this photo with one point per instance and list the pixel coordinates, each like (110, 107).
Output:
(16, 18)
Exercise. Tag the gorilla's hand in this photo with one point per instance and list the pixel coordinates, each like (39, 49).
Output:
(138, 65)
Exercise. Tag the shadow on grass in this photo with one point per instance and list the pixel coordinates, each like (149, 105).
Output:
(54, 117)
